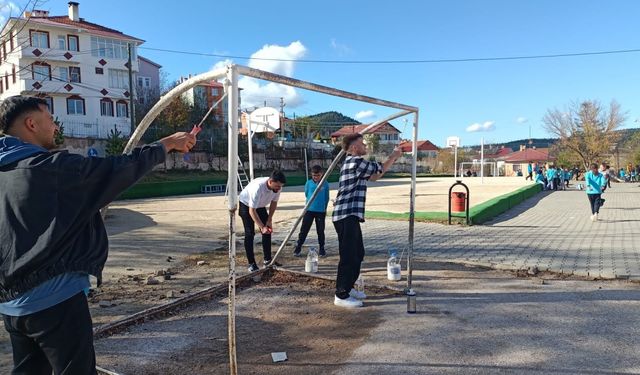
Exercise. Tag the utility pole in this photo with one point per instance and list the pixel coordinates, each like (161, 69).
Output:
(282, 127)
(131, 91)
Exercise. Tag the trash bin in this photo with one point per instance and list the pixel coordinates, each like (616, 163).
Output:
(458, 201)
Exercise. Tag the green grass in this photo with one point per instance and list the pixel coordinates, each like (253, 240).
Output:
(477, 214)
(186, 182)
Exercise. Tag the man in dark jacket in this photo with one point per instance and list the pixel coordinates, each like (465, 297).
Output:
(52, 236)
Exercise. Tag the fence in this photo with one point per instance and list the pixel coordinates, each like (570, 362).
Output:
(94, 129)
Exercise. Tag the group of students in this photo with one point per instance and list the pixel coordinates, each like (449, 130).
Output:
(348, 213)
(550, 177)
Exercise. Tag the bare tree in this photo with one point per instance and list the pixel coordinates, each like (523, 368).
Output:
(586, 129)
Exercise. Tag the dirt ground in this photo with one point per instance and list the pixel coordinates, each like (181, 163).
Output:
(170, 235)
(281, 313)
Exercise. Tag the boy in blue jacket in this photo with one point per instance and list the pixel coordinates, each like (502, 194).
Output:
(317, 211)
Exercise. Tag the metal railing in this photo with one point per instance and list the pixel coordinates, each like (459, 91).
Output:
(98, 129)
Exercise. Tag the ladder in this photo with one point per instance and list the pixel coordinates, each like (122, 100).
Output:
(243, 179)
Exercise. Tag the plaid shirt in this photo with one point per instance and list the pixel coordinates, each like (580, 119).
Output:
(353, 187)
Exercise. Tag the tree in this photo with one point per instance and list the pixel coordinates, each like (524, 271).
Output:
(59, 134)
(373, 142)
(445, 160)
(115, 142)
(585, 129)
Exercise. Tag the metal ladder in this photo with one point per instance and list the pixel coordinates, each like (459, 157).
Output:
(243, 179)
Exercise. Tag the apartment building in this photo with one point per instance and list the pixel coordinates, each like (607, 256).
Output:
(80, 68)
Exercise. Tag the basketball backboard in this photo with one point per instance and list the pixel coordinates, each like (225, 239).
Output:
(453, 141)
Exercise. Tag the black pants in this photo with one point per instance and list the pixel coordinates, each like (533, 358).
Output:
(250, 232)
(59, 338)
(594, 200)
(351, 250)
(529, 176)
(307, 220)
(556, 183)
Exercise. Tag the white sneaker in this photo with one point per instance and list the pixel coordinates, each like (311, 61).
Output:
(356, 294)
(592, 217)
(347, 302)
(595, 217)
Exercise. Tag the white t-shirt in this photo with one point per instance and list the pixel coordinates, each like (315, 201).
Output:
(257, 194)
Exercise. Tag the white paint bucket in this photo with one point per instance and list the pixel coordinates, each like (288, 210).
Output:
(311, 266)
(394, 271)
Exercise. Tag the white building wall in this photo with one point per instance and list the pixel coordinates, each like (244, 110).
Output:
(92, 124)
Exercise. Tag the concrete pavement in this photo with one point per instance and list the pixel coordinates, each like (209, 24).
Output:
(551, 231)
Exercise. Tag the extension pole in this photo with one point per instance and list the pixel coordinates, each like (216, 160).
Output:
(324, 178)
(232, 181)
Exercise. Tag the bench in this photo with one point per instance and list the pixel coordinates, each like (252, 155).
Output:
(216, 188)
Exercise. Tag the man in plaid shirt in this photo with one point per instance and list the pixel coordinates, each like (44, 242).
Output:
(348, 213)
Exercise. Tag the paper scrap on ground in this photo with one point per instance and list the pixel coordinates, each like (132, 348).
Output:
(279, 356)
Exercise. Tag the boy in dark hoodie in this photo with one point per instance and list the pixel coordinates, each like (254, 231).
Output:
(52, 236)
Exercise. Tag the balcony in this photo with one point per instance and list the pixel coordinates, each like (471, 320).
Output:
(50, 54)
(96, 128)
(53, 86)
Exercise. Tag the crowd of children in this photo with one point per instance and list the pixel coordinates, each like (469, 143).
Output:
(551, 177)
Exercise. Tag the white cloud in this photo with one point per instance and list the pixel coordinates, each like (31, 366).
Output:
(254, 92)
(522, 120)
(280, 60)
(8, 9)
(486, 126)
(221, 64)
(365, 115)
(341, 48)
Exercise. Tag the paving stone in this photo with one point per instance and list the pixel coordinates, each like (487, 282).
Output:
(552, 231)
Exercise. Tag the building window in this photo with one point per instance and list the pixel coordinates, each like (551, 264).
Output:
(6, 80)
(11, 40)
(64, 74)
(106, 107)
(49, 101)
(41, 71)
(112, 48)
(74, 74)
(118, 79)
(99, 70)
(4, 49)
(75, 105)
(13, 73)
(74, 44)
(39, 39)
(62, 42)
(215, 91)
(122, 109)
(144, 82)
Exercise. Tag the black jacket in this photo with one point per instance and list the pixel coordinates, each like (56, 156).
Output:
(49, 213)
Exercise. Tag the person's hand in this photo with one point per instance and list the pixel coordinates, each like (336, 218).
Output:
(266, 230)
(180, 141)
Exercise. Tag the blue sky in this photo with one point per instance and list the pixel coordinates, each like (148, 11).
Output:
(452, 97)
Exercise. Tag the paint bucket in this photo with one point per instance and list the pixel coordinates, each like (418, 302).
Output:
(311, 264)
(394, 271)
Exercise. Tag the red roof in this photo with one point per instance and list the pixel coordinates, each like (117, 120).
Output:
(500, 154)
(91, 27)
(406, 146)
(529, 154)
(384, 127)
